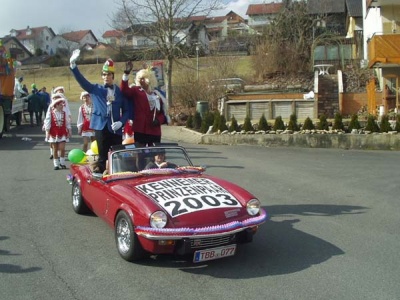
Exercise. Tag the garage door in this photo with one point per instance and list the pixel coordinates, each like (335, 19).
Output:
(259, 108)
(304, 110)
(283, 109)
(238, 110)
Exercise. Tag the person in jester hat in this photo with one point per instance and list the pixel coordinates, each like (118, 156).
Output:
(110, 108)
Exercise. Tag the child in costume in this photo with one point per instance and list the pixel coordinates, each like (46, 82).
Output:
(58, 131)
(83, 122)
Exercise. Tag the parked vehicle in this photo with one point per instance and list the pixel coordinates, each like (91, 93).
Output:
(229, 85)
(10, 108)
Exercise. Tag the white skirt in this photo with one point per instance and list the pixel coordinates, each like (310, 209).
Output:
(87, 133)
(57, 139)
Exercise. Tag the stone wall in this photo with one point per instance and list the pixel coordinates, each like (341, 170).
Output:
(338, 141)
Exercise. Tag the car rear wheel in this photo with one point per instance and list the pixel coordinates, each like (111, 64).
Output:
(78, 204)
(128, 244)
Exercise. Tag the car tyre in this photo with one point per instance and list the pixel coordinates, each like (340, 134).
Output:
(128, 244)
(78, 204)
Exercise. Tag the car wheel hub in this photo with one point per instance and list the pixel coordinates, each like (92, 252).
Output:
(124, 236)
(76, 197)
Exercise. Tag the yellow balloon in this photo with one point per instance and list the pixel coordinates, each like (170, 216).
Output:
(93, 147)
(84, 160)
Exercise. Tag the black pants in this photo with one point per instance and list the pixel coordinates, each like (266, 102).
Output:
(38, 120)
(146, 139)
(105, 139)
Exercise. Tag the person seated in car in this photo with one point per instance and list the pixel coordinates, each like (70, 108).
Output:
(160, 162)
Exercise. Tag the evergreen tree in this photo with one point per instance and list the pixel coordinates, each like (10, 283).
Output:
(222, 124)
(354, 123)
(247, 126)
(197, 120)
(397, 127)
(263, 124)
(189, 122)
(308, 124)
(217, 121)
(207, 121)
(371, 124)
(293, 123)
(385, 125)
(323, 123)
(279, 125)
(338, 122)
(234, 126)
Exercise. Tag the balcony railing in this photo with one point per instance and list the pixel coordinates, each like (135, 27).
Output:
(384, 50)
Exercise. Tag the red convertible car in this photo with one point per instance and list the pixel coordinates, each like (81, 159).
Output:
(175, 209)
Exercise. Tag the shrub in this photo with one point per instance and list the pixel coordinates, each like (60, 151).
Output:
(234, 126)
(293, 123)
(323, 123)
(197, 120)
(397, 126)
(189, 122)
(279, 125)
(354, 123)
(216, 121)
(247, 126)
(263, 124)
(308, 124)
(371, 124)
(208, 120)
(385, 125)
(338, 122)
(222, 124)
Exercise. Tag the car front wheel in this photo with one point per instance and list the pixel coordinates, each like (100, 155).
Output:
(128, 244)
(78, 204)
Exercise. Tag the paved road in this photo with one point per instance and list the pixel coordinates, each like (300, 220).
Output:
(333, 232)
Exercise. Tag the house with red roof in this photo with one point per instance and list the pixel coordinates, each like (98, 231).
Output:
(35, 38)
(262, 14)
(114, 37)
(15, 48)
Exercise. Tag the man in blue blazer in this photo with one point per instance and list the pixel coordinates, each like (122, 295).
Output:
(111, 109)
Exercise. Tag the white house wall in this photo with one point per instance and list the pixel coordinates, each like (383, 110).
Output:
(87, 39)
(372, 25)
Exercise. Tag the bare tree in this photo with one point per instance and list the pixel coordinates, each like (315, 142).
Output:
(286, 43)
(167, 24)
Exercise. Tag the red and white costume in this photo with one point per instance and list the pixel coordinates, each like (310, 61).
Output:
(58, 125)
(83, 122)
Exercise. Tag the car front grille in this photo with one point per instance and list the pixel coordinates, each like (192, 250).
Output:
(211, 241)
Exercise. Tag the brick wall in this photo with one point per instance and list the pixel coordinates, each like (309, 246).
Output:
(352, 102)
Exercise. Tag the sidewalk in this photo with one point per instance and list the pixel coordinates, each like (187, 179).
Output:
(180, 134)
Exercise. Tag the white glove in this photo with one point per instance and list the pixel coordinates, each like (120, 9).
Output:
(74, 57)
(116, 125)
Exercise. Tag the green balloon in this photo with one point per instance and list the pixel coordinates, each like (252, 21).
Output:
(76, 155)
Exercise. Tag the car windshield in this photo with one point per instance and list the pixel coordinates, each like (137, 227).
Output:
(149, 160)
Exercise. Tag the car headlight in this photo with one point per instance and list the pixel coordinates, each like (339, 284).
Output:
(253, 207)
(158, 219)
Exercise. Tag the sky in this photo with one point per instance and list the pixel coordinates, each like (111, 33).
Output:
(73, 15)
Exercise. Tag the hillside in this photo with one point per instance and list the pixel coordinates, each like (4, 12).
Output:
(61, 76)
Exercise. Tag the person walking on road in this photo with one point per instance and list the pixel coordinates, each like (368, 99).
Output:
(58, 131)
(83, 122)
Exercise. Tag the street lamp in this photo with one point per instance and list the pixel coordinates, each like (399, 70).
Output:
(197, 60)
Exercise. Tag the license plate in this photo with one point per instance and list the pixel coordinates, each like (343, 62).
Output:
(214, 253)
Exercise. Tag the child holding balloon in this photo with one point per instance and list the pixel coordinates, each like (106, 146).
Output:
(83, 122)
(58, 131)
